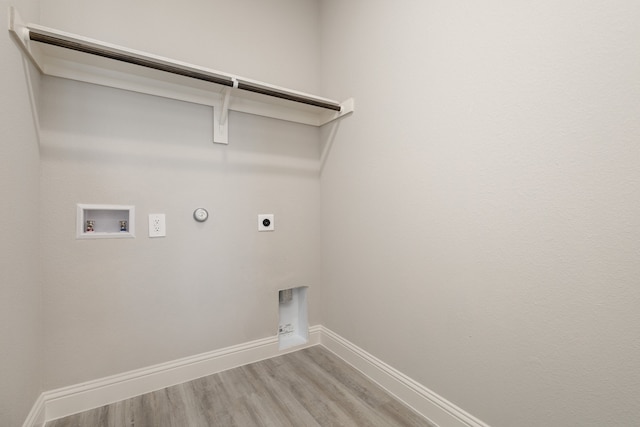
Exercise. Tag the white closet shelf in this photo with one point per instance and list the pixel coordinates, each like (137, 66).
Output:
(61, 54)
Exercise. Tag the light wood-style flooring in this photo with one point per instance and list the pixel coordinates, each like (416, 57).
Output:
(310, 387)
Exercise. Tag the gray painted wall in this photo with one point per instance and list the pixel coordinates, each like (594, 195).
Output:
(480, 211)
(20, 286)
(115, 305)
(479, 223)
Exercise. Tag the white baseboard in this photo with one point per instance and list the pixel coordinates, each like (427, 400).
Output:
(435, 408)
(36, 415)
(70, 400)
(94, 394)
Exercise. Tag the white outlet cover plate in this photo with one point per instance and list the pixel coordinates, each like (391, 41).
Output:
(271, 222)
(157, 226)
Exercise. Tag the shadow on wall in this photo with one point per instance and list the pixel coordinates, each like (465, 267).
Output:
(89, 123)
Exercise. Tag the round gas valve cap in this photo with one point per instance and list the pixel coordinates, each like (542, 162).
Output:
(200, 215)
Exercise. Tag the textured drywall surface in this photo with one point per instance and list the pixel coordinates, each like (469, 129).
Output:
(116, 305)
(480, 210)
(20, 287)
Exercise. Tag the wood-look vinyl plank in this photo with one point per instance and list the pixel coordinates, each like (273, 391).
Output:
(319, 399)
(348, 377)
(307, 388)
(282, 396)
(239, 390)
(266, 399)
(342, 394)
(392, 411)
(208, 399)
(240, 393)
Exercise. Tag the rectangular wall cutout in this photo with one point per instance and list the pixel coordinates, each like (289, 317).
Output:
(105, 221)
(293, 327)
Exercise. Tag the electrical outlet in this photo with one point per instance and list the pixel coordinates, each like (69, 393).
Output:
(266, 222)
(157, 226)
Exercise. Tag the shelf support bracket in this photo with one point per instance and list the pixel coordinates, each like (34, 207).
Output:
(221, 120)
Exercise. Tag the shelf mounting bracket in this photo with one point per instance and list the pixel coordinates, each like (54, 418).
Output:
(221, 120)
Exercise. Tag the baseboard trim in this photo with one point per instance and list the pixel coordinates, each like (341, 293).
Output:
(62, 402)
(93, 394)
(36, 415)
(435, 408)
